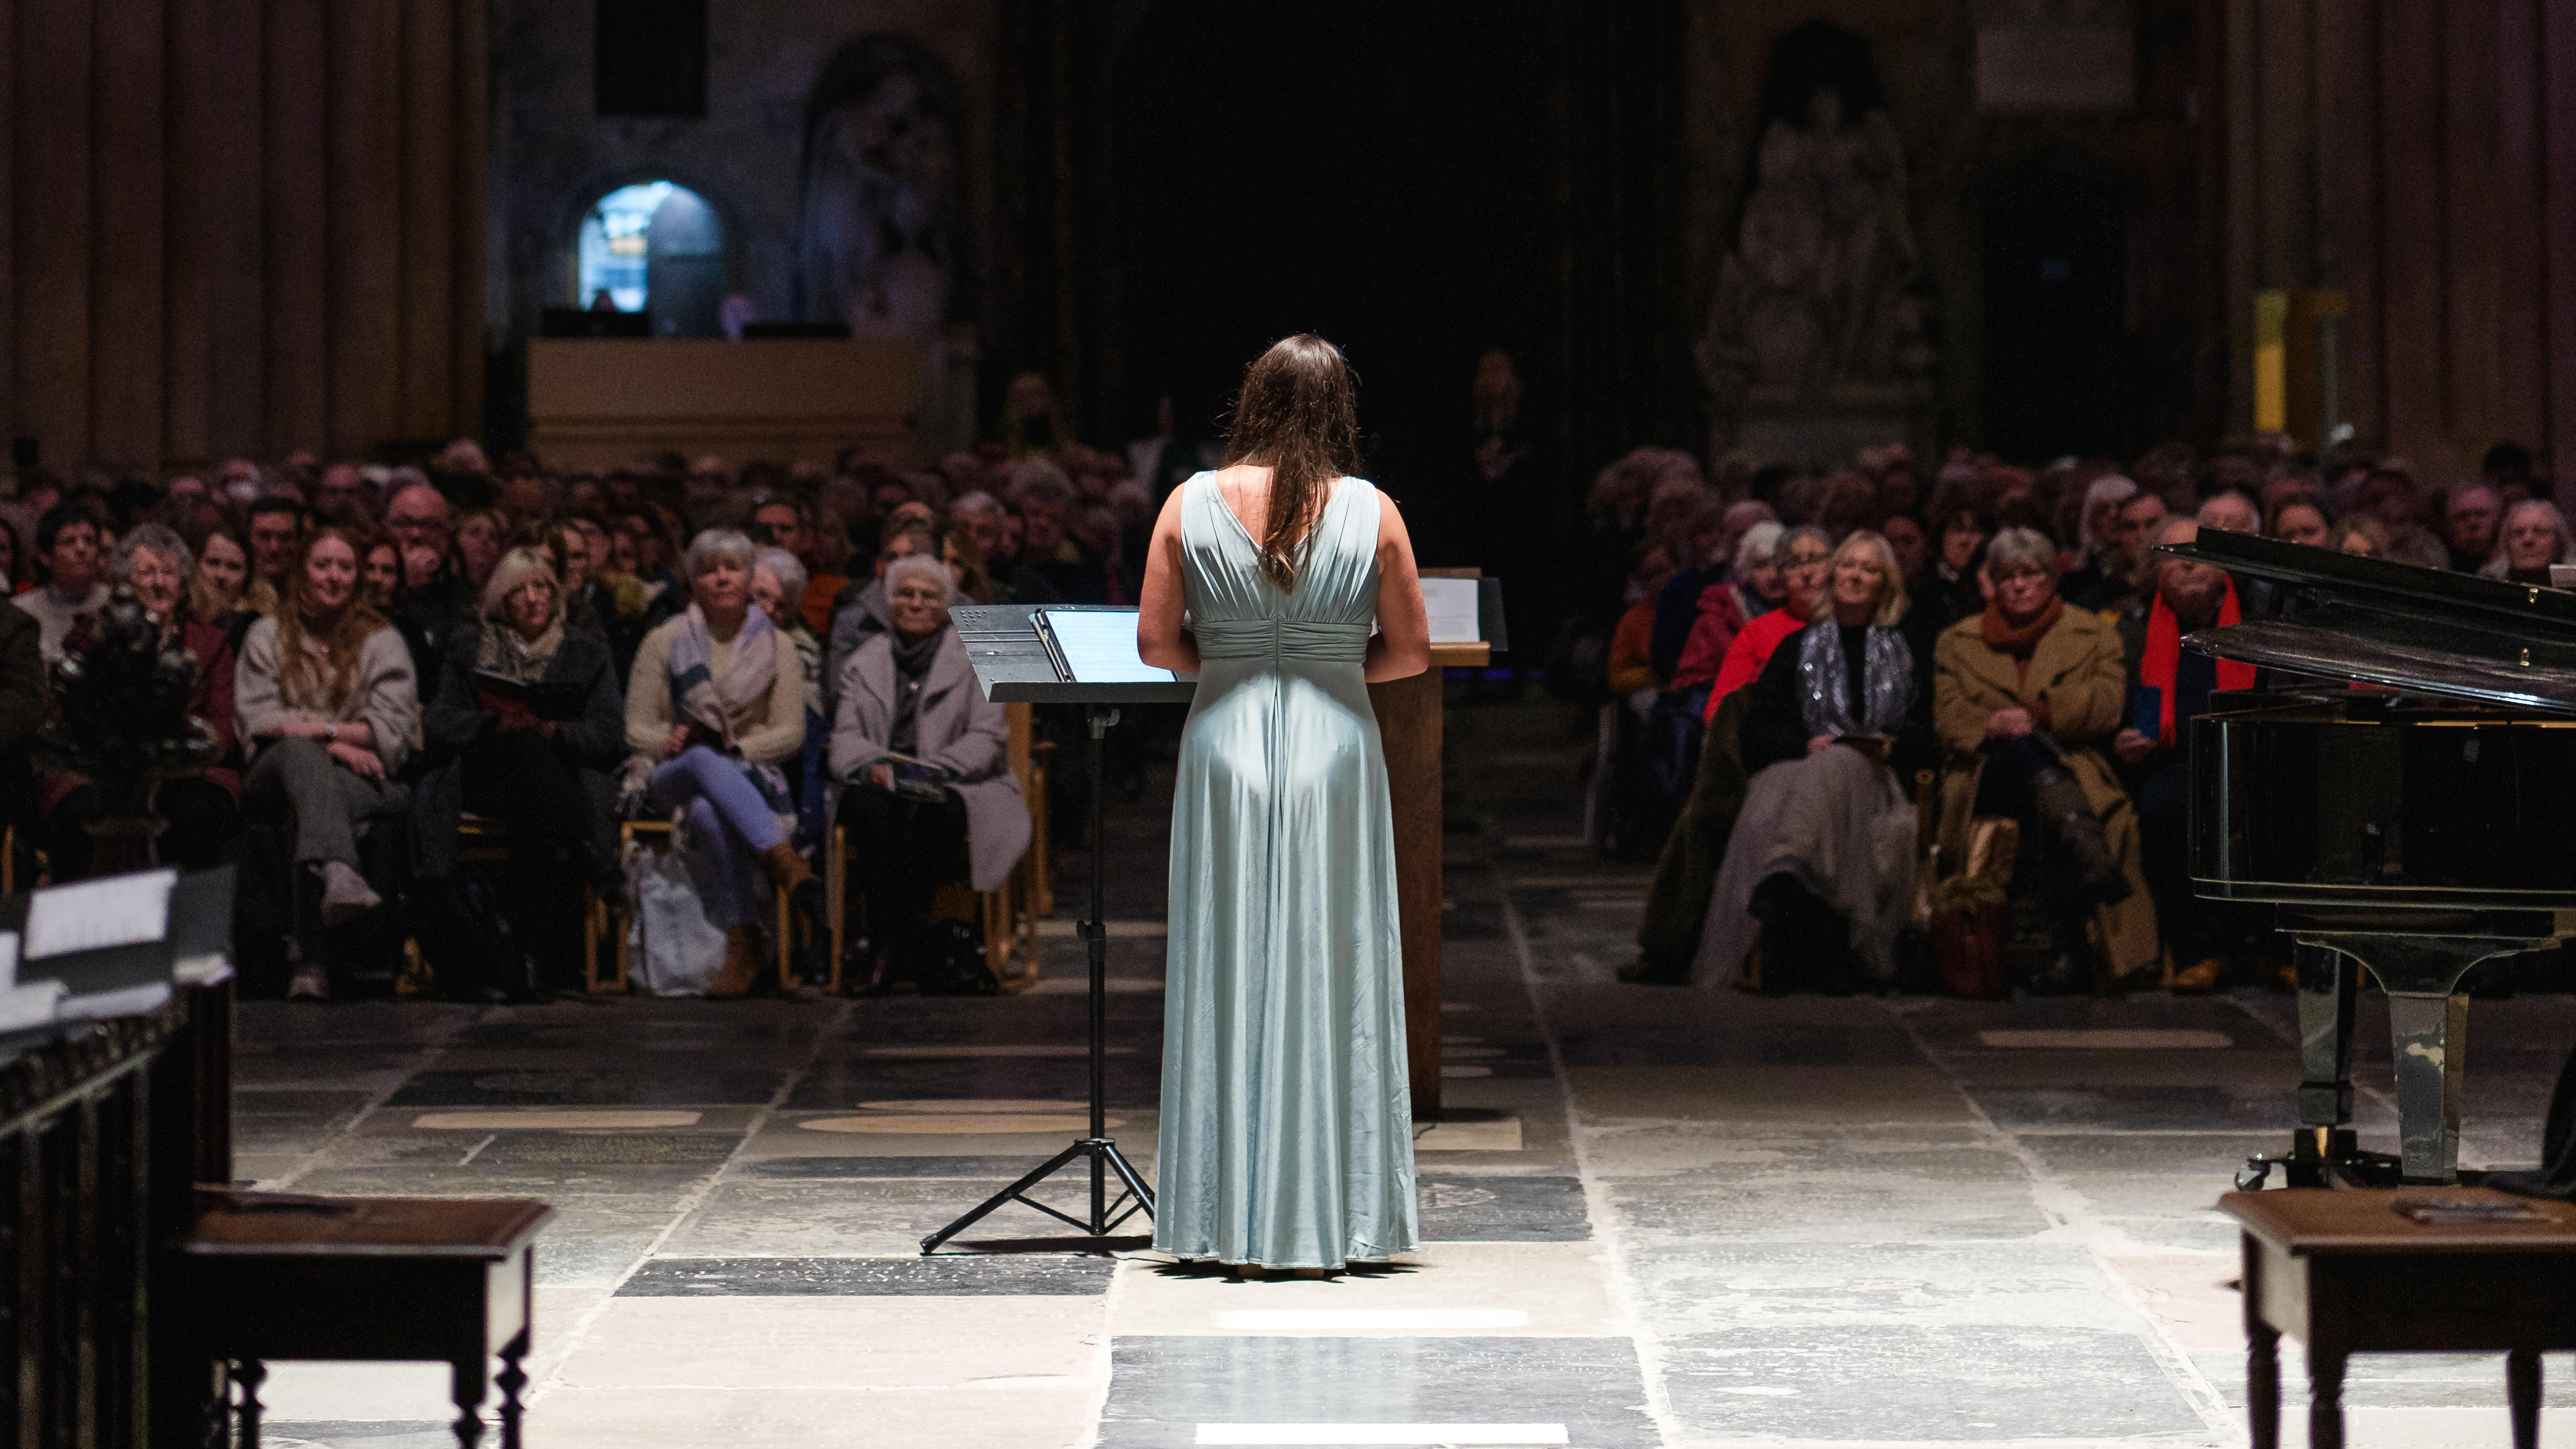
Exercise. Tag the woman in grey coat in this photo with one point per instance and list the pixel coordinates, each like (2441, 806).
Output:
(926, 757)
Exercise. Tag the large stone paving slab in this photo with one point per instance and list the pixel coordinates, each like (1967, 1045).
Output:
(1976, 1383)
(1162, 1388)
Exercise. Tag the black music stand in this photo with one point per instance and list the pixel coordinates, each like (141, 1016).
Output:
(1019, 658)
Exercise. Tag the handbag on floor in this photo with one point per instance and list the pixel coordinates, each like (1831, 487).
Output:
(677, 951)
(1966, 911)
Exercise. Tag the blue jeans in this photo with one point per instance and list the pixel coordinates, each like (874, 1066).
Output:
(729, 819)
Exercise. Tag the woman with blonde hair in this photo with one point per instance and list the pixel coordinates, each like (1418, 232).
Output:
(1822, 853)
(325, 699)
(525, 726)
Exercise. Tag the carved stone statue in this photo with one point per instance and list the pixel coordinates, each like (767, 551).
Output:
(1820, 300)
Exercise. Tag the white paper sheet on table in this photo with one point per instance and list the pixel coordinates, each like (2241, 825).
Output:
(1100, 647)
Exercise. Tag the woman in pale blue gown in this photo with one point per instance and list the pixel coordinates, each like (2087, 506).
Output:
(1287, 1127)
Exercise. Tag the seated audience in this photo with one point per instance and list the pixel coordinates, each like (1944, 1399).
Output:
(931, 795)
(196, 810)
(1631, 670)
(1054, 568)
(2469, 527)
(1959, 541)
(2300, 521)
(2026, 694)
(964, 555)
(1668, 937)
(716, 704)
(2186, 596)
(2534, 536)
(778, 590)
(1822, 854)
(2230, 512)
(1712, 553)
(277, 525)
(222, 572)
(74, 587)
(527, 722)
(17, 570)
(324, 698)
(2101, 577)
(481, 538)
(1803, 552)
(862, 610)
(2360, 537)
(1754, 587)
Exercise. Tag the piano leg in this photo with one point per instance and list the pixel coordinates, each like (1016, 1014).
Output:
(2428, 1033)
(2325, 1062)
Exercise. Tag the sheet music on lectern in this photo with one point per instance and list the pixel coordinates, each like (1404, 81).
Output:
(1099, 646)
(92, 915)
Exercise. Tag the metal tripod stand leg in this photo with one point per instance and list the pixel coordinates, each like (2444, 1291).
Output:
(1105, 1158)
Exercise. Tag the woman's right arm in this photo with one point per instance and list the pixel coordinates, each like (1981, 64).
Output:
(258, 711)
(1160, 639)
(648, 696)
(1774, 728)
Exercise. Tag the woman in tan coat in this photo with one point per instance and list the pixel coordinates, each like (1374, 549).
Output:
(2025, 697)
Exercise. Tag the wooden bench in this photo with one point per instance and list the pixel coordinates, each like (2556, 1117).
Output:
(2348, 1271)
(278, 1275)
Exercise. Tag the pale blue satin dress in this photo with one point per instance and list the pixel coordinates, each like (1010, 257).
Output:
(1287, 1126)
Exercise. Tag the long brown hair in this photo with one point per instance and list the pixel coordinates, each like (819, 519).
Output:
(296, 678)
(1298, 417)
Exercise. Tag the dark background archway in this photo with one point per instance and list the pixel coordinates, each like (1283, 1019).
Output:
(2057, 364)
(1376, 173)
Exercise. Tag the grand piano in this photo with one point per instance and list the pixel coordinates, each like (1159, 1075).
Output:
(2398, 798)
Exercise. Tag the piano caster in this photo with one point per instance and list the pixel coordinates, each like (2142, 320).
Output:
(2322, 1157)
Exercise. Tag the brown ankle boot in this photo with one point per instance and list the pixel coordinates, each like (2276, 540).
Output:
(741, 966)
(786, 867)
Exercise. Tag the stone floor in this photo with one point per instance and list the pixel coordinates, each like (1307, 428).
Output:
(1655, 1217)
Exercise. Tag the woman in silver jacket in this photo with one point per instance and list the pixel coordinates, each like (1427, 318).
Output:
(926, 757)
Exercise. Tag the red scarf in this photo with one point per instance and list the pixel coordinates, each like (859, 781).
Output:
(2163, 655)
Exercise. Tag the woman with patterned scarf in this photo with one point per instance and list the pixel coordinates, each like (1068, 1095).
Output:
(527, 722)
(715, 705)
(1821, 861)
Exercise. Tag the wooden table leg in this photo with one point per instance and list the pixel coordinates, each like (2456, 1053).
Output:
(248, 1374)
(467, 1379)
(2522, 1394)
(2325, 1399)
(512, 1378)
(2263, 1385)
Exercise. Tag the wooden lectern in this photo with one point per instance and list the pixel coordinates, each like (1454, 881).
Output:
(1409, 718)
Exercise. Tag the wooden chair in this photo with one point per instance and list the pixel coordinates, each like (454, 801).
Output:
(600, 916)
(1010, 914)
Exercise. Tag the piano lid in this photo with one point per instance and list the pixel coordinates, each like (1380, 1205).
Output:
(2396, 625)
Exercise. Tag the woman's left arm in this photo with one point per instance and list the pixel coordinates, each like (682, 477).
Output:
(389, 717)
(1402, 646)
(1160, 603)
(781, 733)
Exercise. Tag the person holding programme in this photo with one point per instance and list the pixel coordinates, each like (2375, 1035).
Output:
(926, 757)
(325, 695)
(716, 704)
(1287, 1124)
(526, 724)
(1822, 852)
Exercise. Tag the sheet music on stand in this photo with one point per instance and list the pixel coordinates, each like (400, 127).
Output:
(1099, 647)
